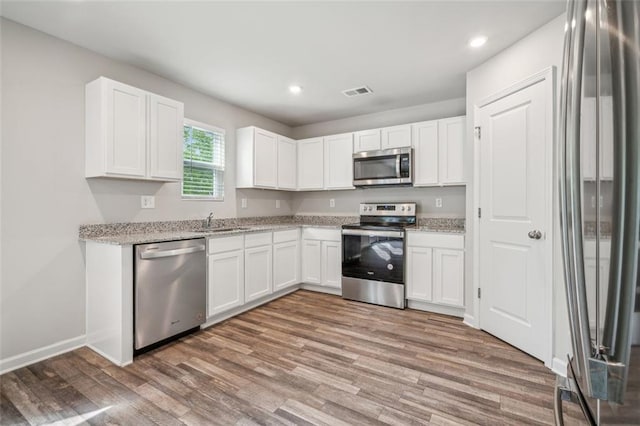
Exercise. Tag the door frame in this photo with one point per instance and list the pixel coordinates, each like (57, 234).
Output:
(548, 77)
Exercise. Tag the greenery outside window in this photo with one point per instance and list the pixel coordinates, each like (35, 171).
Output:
(203, 156)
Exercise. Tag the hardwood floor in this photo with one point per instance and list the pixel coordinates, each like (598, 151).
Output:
(307, 358)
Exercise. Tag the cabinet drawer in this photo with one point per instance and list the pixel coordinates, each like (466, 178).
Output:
(322, 234)
(222, 244)
(256, 240)
(284, 236)
(435, 239)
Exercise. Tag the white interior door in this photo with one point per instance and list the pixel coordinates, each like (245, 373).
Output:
(515, 201)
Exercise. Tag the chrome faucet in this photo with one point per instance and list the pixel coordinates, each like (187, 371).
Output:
(209, 219)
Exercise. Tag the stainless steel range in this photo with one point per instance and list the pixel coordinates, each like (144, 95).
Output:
(373, 254)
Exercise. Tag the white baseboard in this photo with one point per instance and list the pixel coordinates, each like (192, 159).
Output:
(31, 357)
(322, 289)
(438, 309)
(559, 367)
(109, 357)
(470, 320)
(248, 306)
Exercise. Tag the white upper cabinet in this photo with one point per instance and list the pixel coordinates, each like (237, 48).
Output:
(166, 124)
(287, 163)
(396, 137)
(451, 150)
(338, 161)
(366, 140)
(438, 148)
(257, 151)
(131, 133)
(310, 164)
(425, 153)
(265, 160)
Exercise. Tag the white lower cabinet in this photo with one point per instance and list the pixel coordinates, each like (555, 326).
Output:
(225, 274)
(311, 263)
(286, 259)
(331, 257)
(258, 266)
(419, 273)
(322, 257)
(435, 268)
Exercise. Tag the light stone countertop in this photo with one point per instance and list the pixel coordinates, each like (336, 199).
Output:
(153, 232)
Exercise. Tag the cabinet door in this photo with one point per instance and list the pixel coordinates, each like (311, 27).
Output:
(264, 162)
(311, 261)
(338, 161)
(331, 264)
(225, 281)
(419, 273)
(448, 277)
(451, 150)
(286, 259)
(310, 164)
(366, 140)
(257, 272)
(425, 151)
(396, 137)
(126, 130)
(166, 124)
(287, 160)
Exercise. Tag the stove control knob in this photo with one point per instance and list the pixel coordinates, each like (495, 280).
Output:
(402, 208)
(408, 208)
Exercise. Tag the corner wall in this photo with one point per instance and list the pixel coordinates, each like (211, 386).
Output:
(45, 196)
(539, 50)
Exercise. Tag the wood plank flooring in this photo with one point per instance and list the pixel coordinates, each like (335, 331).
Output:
(307, 358)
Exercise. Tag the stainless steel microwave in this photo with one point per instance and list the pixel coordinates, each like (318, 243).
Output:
(383, 167)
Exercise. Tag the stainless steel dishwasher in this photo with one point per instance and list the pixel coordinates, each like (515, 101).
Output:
(170, 290)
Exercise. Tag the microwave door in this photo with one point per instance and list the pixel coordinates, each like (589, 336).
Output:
(375, 168)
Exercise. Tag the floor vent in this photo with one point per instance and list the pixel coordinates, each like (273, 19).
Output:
(357, 91)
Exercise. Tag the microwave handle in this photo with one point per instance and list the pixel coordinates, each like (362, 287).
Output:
(398, 166)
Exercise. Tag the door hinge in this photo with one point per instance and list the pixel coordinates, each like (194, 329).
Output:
(479, 213)
(478, 131)
(479, 293)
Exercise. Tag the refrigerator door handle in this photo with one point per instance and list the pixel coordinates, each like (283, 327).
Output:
(570, 187)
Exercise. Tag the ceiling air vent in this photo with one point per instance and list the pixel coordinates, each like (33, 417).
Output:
(357, 91)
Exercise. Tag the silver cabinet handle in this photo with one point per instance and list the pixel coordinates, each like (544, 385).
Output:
(535, 234)
(170, 253)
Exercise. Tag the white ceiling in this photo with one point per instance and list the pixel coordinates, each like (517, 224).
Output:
(248, 53)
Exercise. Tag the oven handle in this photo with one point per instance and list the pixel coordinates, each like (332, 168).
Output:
(364, 232)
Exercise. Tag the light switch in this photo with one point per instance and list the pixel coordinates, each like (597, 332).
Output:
(148, 202)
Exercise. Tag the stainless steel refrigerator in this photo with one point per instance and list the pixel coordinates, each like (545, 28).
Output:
(599, 178)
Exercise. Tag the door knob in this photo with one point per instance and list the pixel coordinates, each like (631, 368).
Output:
(535, 234)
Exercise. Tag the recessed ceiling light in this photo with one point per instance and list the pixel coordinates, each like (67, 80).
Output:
(477, 41)
(295, 89)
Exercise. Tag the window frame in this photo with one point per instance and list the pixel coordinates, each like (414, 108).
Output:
(208, 127)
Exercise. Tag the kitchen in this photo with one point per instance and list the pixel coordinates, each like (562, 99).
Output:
(44, 78)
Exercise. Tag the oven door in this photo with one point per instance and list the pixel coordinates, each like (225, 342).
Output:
(373, 255)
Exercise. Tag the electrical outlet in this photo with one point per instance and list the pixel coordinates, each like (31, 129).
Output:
(277, 204)
(244, 203)
(332, 202)
(438, 202)
(148, 202)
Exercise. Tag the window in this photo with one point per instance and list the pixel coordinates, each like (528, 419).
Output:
(203, 156)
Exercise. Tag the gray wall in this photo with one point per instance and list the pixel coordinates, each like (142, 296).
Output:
(539, 50)
(431, 111)
(45, 196)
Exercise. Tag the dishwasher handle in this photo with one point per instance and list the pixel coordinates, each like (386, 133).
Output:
(170, 253)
